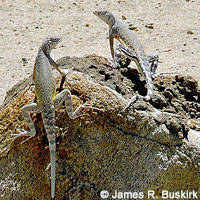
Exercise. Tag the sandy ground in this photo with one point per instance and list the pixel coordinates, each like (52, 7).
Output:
(24, 24)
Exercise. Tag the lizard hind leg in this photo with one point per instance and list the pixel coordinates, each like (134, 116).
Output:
(26, 111)
(65, 95)
(131, 54)
(153, 60)
(117, 56)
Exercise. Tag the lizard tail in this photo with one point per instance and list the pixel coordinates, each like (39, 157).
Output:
(49, 124)
(149, 95)
(149, 88)
(53, 171)
(52, 148)
(149, 82)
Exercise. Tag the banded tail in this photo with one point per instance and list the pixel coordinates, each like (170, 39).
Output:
(50, 127)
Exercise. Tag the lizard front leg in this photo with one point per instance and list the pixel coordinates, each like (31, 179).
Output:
(26, 111)
(55, 65)
(111, 40)
(63, 72)
(65, 95)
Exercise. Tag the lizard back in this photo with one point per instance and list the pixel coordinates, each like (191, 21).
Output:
(131, 41)
(45, 86)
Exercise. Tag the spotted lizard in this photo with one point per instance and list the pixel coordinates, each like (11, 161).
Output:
(47, 101)
(130, 47)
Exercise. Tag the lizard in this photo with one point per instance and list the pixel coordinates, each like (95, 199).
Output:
(130, 46)
(48, 100)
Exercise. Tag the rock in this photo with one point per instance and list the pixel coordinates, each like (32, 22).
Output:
(194, 137)
(168, 94)
(138, 149)
(190, 32)
(124, 17)
(194, 124)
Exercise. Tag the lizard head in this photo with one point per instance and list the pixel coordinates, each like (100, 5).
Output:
(50, 43)
(105, 15)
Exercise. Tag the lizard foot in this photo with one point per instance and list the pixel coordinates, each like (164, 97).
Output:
(88, 106)
(64, 74)
(67, 71)
(163, 74)
(81, 107)
(133, 100)
(147, 98)
(111, 64)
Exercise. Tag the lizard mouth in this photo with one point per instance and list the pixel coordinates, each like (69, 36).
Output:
(59, 40)
(95, 12)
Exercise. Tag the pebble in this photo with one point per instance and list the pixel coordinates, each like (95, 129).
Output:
(123, 17)
(190, 32)
(150, 25)
(132, 27)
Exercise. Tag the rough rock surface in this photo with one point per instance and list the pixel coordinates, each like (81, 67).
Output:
(144, 147)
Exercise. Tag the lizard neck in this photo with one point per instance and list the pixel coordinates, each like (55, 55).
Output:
(111, 20)
(45, 48)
